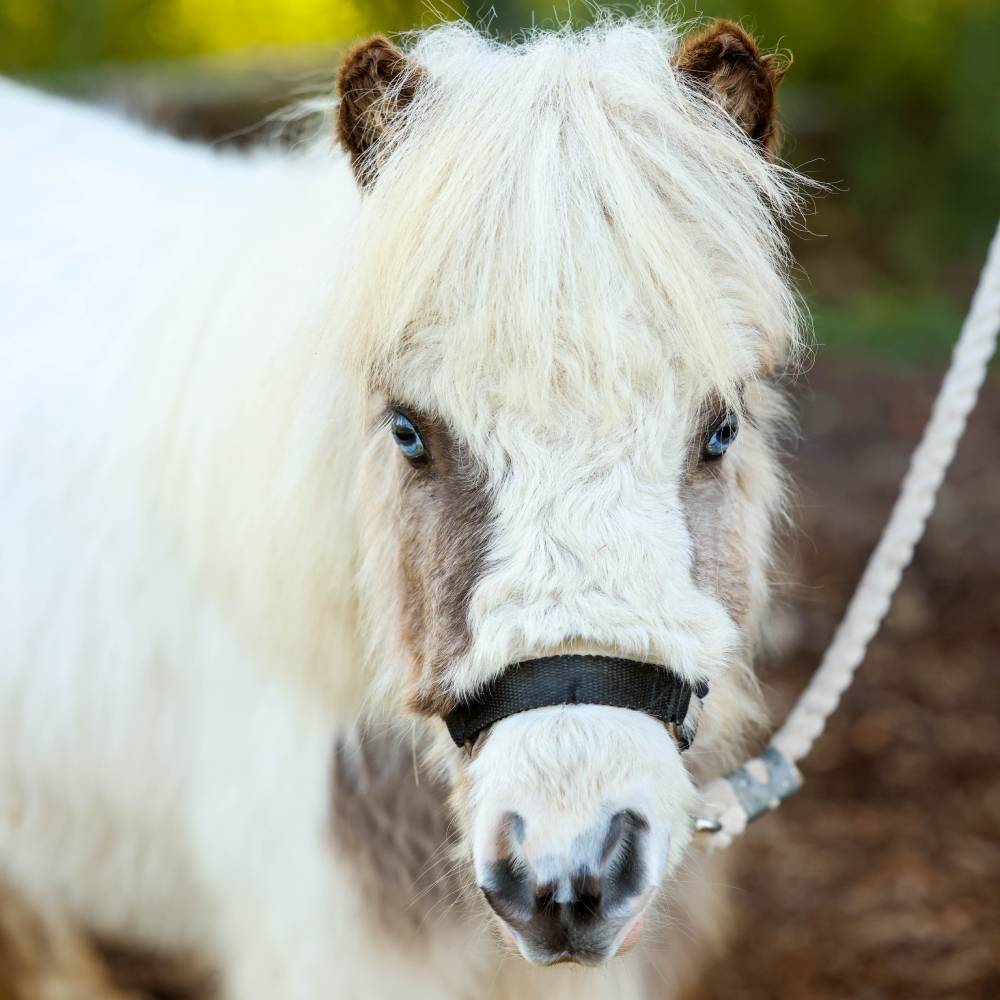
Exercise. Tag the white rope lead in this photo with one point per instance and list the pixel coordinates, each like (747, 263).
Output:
(735, 799)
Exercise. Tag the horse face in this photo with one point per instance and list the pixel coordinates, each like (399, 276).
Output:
(553, 465)
(511, 539)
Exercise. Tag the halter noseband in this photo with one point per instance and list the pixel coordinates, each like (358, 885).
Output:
(579, 680)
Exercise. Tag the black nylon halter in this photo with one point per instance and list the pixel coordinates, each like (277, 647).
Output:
(578, 680)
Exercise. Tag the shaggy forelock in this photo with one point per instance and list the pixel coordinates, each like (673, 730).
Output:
(567, 216)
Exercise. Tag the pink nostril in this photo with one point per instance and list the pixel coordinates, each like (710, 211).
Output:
(632, 935)
(507, 935)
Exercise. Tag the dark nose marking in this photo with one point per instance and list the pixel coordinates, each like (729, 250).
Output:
(510, 892)
(582, 919)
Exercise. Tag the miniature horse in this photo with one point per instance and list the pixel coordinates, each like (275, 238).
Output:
(459, 444)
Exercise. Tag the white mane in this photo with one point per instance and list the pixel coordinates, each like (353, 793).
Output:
(585, 216)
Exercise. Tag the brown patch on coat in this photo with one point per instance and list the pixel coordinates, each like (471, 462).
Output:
(445, 514)
(375, 83)
(43, 957)
(392, 822)
(727, 62)
(155, 975)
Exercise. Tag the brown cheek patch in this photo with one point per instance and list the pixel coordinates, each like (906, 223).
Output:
(445, 514)
(721, 564)
(45, 955)
(394, 831)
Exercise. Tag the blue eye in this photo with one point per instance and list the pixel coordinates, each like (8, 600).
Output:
(722, 436)
(406, 437)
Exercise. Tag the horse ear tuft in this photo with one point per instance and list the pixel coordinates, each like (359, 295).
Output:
(727, 62)
(375, 83)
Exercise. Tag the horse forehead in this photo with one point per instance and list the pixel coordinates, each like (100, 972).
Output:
(581, 428)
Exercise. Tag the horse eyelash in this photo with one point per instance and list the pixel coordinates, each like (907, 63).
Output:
(389, 411)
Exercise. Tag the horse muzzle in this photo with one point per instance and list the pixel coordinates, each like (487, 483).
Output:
(576, 809)
(579, 908)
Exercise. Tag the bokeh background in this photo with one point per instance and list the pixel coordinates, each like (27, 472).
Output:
(879, 879)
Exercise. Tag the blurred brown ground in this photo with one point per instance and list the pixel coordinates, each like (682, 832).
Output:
(881, 878)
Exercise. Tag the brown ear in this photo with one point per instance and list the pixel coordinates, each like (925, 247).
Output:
(376, 82)
(726, 60)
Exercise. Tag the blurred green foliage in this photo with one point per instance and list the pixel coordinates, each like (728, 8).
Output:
(895, 102)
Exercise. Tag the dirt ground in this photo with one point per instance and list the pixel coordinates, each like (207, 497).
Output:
(881, 879)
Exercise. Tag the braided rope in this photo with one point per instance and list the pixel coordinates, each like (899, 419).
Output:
(728, 807)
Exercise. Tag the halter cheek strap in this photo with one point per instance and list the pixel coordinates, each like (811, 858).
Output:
(579, 680)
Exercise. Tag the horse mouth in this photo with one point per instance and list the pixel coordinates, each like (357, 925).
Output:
(564, 959)
(593, 950)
